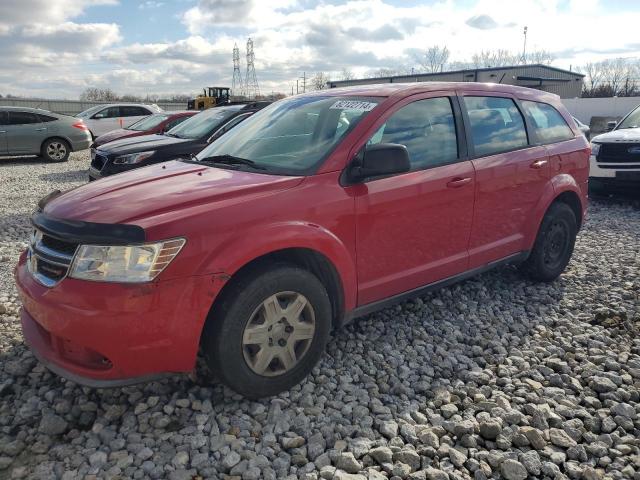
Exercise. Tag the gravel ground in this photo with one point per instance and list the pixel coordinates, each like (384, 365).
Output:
(493, 378)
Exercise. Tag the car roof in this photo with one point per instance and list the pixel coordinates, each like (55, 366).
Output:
(404, 89)
(25, 109)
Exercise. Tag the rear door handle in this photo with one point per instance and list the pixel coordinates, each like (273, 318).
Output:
(538, 164)
(458, 182)
(40, 129)
(3, 131)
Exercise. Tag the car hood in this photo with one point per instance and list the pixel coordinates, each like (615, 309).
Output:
(162, 191)
(625, 135)
(141, 143)
(116, 134)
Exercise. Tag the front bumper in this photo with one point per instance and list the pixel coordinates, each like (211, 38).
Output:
(627, 179)
(107, 334)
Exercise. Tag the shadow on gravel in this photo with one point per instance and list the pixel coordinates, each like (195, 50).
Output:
(16, 161)
(66, 176)
(628, 198)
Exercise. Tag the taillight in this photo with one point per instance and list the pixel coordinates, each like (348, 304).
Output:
(80, 125)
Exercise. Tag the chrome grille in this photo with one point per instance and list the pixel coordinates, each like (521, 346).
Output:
(49, 258)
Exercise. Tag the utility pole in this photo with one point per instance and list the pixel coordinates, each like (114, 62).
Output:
(524, 47)
(251, 90)
(297, 87)
(236, 85)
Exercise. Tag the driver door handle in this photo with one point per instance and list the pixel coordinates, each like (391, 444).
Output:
(458, 182)
(40, 129)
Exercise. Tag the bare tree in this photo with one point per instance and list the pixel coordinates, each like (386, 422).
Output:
(94, 94)
(494, 58)
(543, 57)
(319, 81)
(346, 74)
(611, 77)
(435, 59)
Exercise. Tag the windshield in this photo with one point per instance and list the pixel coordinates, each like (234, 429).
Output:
(632, 120)
(89, 111)
(292, 136)
(203, 124)
(148, 123)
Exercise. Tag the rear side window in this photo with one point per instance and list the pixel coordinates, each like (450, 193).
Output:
(132, 111)
(547, 122)
(22, 118)
(496, 125)
(427, 128)
(46, 118)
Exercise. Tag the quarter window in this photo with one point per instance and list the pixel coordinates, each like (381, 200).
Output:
(496, 125)
(547, 122)
(427, 128)
(46, 118)
(22, 118)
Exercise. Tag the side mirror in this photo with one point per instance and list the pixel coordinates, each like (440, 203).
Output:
(379, 160)
(611, 125)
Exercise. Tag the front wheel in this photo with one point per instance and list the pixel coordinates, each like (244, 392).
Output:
(554, 244)
(269, 331)
(56, 150)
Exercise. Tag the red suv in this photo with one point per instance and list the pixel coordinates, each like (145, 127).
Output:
(318, 209)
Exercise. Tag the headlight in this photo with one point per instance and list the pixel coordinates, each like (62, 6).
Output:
(133, 158)
(128, 264)
(595, 148)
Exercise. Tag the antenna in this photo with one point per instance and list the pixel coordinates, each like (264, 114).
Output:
(251, 89)
(236, 84)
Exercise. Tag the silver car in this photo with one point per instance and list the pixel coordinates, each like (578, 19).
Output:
(31, 131)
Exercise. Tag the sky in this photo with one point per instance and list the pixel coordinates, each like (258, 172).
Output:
(57, 48)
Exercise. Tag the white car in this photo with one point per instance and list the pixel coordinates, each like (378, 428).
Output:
(104, 118)
(615, 157)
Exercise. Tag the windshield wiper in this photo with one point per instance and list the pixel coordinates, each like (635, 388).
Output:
(227, 159)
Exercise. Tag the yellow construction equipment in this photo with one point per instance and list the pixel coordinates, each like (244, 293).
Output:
(214, 96)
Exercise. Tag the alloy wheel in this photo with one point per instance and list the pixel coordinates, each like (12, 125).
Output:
(56, 150)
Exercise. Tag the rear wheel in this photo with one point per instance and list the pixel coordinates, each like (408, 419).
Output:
(554, 244)
(269, 331)
(56, 150)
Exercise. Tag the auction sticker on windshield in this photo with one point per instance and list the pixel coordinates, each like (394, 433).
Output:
(353, 105)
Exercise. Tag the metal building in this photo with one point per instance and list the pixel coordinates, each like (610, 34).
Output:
(565, 83)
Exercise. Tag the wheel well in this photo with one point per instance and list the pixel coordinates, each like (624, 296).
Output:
(572, 199)
(305, 258)
(56, 138)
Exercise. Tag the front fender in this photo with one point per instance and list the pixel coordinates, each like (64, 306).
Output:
(251, 244)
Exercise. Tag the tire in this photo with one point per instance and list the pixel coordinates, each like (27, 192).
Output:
(240, 328)
(554, 244)
(56, 150)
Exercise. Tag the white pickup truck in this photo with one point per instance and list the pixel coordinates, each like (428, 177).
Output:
(615, 157)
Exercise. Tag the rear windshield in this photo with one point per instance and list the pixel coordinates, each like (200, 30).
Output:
(292, 136)
(203, 124)
(147, 123)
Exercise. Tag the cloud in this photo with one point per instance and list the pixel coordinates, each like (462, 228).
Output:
(380, 34)
(216, 12)
(20, 12)
(483, 22)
